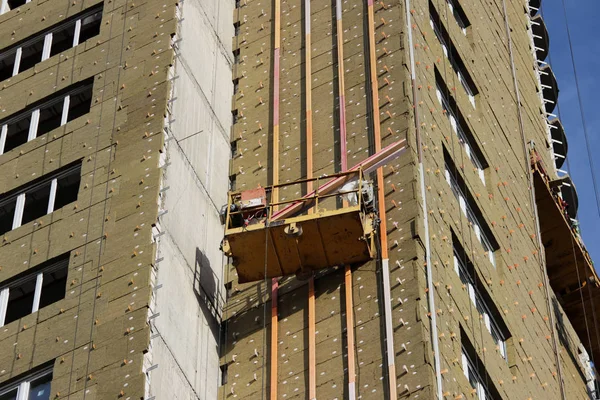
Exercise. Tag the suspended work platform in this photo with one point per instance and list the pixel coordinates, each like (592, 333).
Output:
(333, 225)
(570, 269)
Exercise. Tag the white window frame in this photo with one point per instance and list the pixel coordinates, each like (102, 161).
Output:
(4, 6)
(5, 293)
(35, 117)
(22, 196)
(39, 283)
(480, 306)
(470, 372)
(48, 37)
(23, 386)
(461, 135)
(461, 24)
(470, 215)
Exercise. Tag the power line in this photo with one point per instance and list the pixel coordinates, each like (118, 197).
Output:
(585, 132)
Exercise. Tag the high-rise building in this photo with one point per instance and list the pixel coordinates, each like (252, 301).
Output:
(378, 212)
(114, 151)
(462, 275)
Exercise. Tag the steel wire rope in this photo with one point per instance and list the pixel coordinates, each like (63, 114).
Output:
(585, 318)
(526, 155)
(588, 151)
(583, 122)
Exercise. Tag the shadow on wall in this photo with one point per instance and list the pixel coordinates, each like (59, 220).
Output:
(206, 289)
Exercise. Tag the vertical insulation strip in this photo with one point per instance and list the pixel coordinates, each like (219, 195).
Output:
(312, 320)
(381, 201)
(308, 79)
(342, 85)
(274, 328)
(275, 193)
(344, 167)
(350, 334)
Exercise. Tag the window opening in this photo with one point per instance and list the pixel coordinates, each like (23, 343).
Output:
(29, 386)
(55, 40)
(470, 210)
(46, 115)
(481, 300)
(224, 368)
(451, 53)
(459, 15)
(34, 289)
(39, 198)
(7, 5)
(460, 127)
(474, 371)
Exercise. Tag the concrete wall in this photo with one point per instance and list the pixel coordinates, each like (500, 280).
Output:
(186, 334)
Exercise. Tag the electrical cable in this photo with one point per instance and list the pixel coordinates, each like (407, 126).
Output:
(585, 318)
(583, 122)
(533, 203)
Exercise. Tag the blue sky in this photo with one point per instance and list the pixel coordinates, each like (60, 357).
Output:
(582, 17)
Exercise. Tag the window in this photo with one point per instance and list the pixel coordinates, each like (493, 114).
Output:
(452, 54)
(6, 6)
(39, 198)
(469, 209)
(480, 299)
(224, 368)
(477, 383)
(474, 370)
(460, 127)
(30, 386)
(459, 15)
(34, 290)
(67, 34)
(46, 115)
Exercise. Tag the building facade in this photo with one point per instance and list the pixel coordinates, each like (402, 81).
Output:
(114, 157)
(469, 294)
(119, 142)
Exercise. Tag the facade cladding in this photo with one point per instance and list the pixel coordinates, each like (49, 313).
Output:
(114, 151)
(118, 147)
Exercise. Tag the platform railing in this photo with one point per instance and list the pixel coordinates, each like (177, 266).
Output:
(311, 202)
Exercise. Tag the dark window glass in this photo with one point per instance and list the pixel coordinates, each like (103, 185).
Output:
(67, 189)
(80, 103)
(7, 214)
(10, 395)
(62, 39)
(50, 117)
(20, 300)
(17, 133)
(55, 285)
(12, 4)
(36, 203)
(40, 388)
(90, 27)
(7, 64)
(32, 54)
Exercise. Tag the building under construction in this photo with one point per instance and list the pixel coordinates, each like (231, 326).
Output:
(287, 199)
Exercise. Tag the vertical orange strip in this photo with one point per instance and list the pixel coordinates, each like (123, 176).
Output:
(350, 334)
(312, 351)
(344, 166)
(380, 182)
(275, 195)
